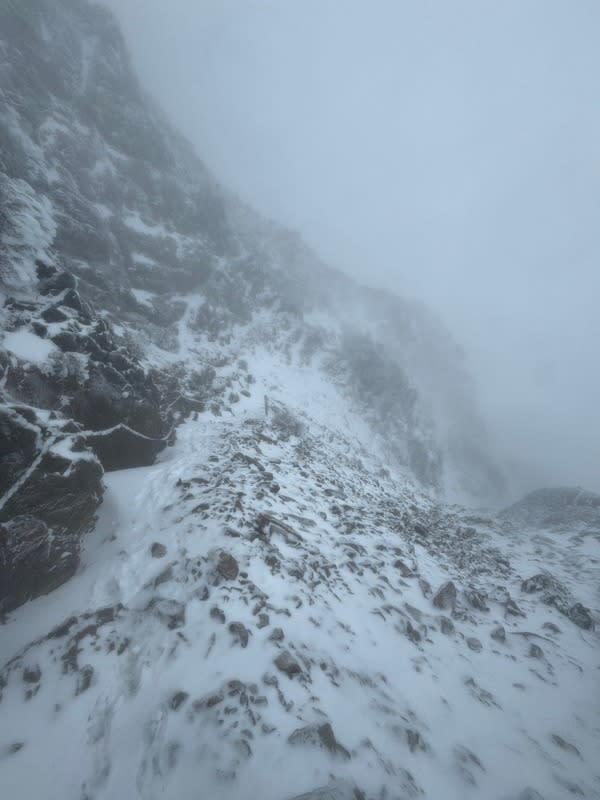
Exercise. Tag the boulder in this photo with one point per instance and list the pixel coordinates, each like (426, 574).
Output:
(445, 597)
(227, 567)
(240, 633)
(123, 448)
(287, 664)
(321, 736)
(51, 489)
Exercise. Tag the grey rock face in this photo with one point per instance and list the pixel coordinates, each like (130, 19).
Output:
(52, 489)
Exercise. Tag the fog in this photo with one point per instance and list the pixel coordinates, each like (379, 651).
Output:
(446, 151)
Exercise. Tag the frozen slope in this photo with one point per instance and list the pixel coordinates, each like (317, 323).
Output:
(257, 615)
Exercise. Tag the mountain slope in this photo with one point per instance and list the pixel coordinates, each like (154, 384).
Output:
(276, 617)
(222, 468)
(121, 202)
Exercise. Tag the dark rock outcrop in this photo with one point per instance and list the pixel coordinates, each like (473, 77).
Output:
(321, 736)
(51, 488)
(554, 593)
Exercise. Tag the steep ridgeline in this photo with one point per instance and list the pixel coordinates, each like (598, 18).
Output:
(226, 570)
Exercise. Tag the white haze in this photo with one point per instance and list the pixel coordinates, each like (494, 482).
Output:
(448, 151)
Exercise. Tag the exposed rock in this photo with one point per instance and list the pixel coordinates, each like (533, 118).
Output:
(477, 599)
(581, 616)
(177, 699)
(445, 597)
(19, 437)
(564, 745)
(51, 501)
(218, 614)
(158, 550)
(276, 635)
(124, 448)
(319, 736)
(32, 674)
(535, 651)
(498, 633)
(84, 681)
(227, 566)
(403, 569)
(550, 626)
(240, 633)
(446, 625)
(170, 612)
(287, 664)
(412, 633)
(512, 608)
(554, 593)
(474, 644)
(540, 582)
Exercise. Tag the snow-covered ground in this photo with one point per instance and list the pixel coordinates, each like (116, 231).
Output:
(257, 585)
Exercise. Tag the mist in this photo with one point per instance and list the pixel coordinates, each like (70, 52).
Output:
(448, 152)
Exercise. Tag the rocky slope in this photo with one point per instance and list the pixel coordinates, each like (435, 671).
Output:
(222, 467)
(115, 239)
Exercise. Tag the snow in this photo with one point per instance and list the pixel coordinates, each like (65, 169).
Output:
(144, 260)
(498, 704)
(104, 212)
(28, 347)
(31, 232)
(144, 297)
(102, 167)
(134, 221)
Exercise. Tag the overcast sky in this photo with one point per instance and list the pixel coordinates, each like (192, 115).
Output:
(445, 150)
